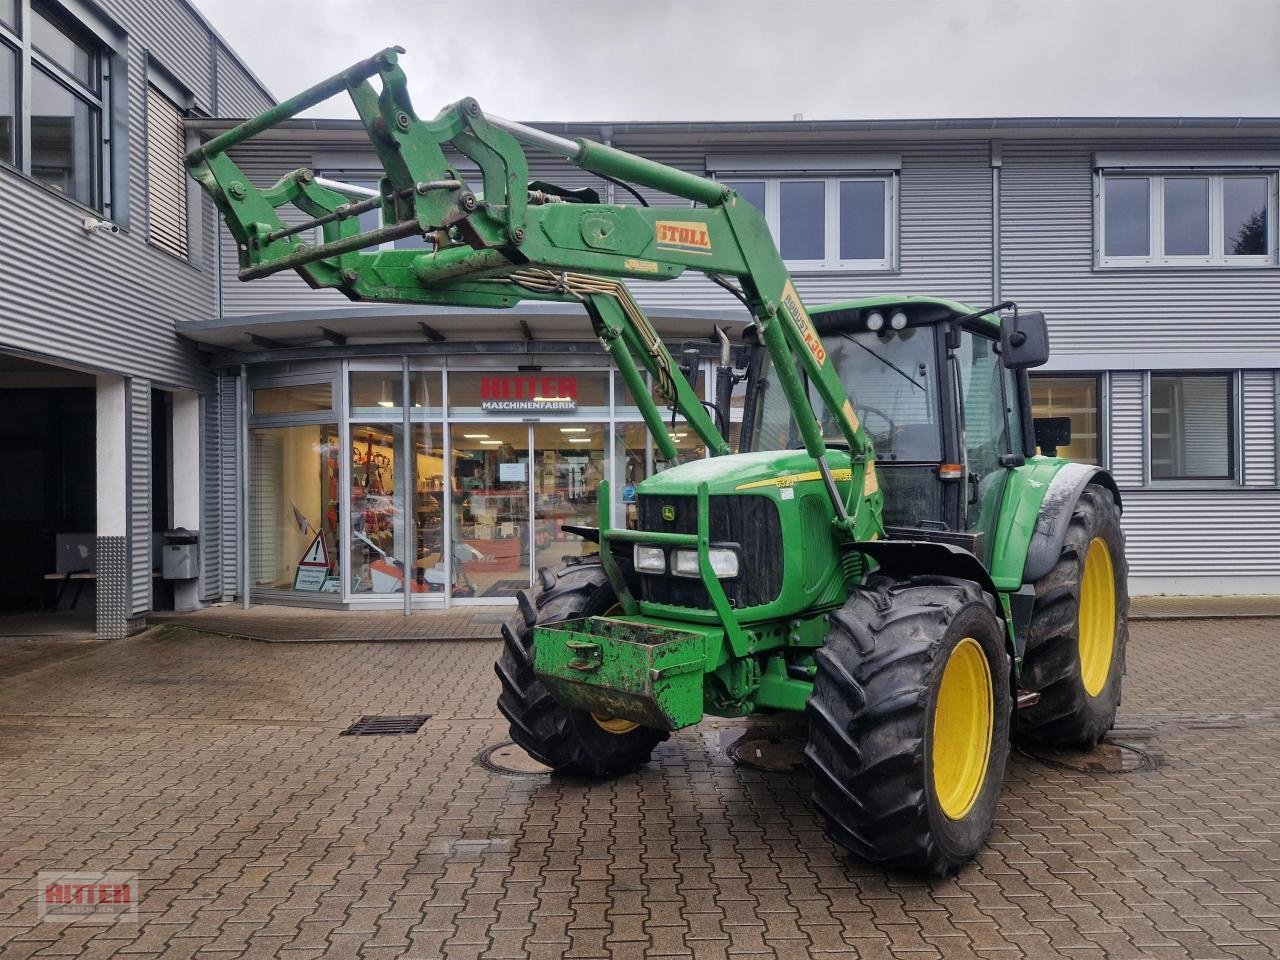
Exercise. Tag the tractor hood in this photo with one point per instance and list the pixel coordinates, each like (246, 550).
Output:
(761, 472)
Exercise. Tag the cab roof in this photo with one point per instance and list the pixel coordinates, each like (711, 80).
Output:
(833, 316)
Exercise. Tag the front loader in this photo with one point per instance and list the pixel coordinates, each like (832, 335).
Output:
(883, 550)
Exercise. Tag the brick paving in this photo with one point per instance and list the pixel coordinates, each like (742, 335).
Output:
(213, 767)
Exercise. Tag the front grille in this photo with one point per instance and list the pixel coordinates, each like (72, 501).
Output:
(749, 521)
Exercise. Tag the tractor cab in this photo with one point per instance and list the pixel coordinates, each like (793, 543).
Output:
(945, 403)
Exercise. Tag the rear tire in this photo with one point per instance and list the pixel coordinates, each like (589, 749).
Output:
(1075, 655)
(566, 740)
(880, 780)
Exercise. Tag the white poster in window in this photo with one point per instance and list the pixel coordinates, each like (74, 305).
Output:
(511, 472)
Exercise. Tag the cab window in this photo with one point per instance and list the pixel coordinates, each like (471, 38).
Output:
(891, 378)
(985, 422)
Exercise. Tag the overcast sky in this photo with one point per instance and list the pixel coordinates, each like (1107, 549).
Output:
(761, 59)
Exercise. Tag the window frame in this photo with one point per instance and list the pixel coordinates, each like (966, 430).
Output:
(1217, 258)
(109, 48)
(831, 260)
(1098, 379)
(1235, 445)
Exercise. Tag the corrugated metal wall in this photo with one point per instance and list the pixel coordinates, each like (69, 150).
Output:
(1258, 403)
(139, 493)
(211, 512)
(1201, 533)
(238, 94)
(227, 479)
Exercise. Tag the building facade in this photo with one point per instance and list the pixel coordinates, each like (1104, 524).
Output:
(104, 250)
(366, 455)
(1150, 244)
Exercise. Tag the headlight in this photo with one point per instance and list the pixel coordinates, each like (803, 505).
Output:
(724, 563)
(650, 559)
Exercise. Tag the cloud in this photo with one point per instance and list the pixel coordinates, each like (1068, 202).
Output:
(768, 60)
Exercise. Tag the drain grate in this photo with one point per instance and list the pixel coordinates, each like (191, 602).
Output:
(386, 726)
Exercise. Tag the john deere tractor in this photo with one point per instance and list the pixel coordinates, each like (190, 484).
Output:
(883, 550)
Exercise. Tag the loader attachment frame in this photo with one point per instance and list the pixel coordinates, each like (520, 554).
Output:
(509, 242)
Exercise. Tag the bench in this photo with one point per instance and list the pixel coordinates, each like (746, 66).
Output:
(79, 578)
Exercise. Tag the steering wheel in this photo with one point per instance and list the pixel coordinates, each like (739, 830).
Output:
(840, 443)
(877, 412)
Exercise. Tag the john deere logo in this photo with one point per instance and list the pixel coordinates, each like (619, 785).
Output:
(668, 512)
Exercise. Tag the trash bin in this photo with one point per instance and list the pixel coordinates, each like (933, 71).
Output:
(180, 554)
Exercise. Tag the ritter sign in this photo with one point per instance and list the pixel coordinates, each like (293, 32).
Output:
(535, 394)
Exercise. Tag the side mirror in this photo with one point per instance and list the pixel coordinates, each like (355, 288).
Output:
(1052, 433)
(1024, 340)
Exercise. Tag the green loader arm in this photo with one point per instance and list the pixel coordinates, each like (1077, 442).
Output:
(517, 241)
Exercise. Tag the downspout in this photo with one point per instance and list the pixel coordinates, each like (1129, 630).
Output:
(216, 105)
(408, 487)
(242, 463)
(606, 137)
(996, 162)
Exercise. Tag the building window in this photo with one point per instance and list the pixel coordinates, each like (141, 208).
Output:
(8, 103)
(1191, 432)
(828, 223)
(166, 174)
(293, 508)
(1187, 219)
(294, 398)
(1077, 399)
(62, 145)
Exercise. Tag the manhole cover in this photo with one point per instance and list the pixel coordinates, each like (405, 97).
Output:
(1110, 756)
(386, 726)
(771, 754)
(509, 759)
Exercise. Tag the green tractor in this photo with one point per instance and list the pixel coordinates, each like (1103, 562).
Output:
(880, 548)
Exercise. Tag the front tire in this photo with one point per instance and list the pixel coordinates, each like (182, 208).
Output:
(909, 723)
(1079, 629)
(566, 740)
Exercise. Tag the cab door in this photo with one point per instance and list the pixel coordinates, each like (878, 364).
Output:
(990, 430)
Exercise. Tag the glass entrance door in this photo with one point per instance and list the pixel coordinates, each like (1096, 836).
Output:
(491, 535)
(515, 487)
(569, 463)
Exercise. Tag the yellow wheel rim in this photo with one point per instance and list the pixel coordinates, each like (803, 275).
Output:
(615, 725)
(1097, 618)
(962, 726)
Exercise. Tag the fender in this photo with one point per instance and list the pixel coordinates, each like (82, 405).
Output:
(914, 558)
(1055, 515)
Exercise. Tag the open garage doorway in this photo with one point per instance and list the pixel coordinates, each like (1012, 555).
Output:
(47, 491)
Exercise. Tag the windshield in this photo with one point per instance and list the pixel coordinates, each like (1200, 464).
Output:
(892, 379)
